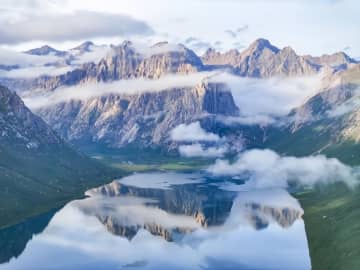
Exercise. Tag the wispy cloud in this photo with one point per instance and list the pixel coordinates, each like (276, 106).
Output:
(236, 33)
(123, 87)
(69, 26)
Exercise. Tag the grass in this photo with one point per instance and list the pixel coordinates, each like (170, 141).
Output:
(332, 213)
(132, 160)
(33, 182)
(332, 222)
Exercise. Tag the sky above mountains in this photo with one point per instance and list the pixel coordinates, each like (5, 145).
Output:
(310, 27)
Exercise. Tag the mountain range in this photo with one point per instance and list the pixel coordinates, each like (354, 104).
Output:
(137, 96)
(124, 115)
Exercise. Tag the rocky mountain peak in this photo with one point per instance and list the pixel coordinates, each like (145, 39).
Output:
(19, 126)
(260, 45)
(45, 50)
(84, 47)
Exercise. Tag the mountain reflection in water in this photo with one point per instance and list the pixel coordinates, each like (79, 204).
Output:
(171, 221)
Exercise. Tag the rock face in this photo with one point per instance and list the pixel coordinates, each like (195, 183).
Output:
(327, 120)
(20, 126)
(263, 60)
(123, 62)
(46, 50)
(339, 88)
(145, 119)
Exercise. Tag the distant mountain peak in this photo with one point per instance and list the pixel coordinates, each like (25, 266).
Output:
(45, 50)
(261, 44)
(160, 44)
(84, 47)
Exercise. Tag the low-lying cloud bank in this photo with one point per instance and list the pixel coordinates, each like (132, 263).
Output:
(20, 59)
(122, 87)
(192, 133)
(35, 71)
(267, 169)
(261, 101)
(198, 150)
(24, 66)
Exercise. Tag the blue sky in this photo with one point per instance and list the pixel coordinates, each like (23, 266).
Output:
(310, 27)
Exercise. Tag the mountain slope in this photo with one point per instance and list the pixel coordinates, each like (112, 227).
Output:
(144, 119)
(263, 60)
(125, 61)
(37, 169)
(327, 123)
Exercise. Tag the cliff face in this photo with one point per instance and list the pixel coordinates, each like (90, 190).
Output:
(144, 118)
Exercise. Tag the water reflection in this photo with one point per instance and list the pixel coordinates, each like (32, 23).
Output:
(172, 221)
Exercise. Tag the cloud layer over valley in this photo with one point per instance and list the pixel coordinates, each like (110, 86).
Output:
(267, 169)
(261, 101)
(122, 87)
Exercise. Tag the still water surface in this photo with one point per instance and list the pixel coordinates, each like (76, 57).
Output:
(164, 221)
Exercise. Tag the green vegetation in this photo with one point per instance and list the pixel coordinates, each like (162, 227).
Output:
(35, 181)
(332, 221)
(332, 213)
(131, 159)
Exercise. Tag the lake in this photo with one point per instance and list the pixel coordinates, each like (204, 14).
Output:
(164, 220)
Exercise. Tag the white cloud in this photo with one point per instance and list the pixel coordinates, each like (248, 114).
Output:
(79, 235)
(262, 100)
(122, 87)
(76, 25)
(192, 133)
(266, 169)
(94, 55)
(129, 211)
(160, 180)
(263, 120)
(159, 48)
(197, 150)
(36, 71)
(346, 107)
(9, 57)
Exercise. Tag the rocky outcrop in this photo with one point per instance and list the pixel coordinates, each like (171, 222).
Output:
(19, 125)
(263, 60)
(123, 62)
(145, 118)
(338, 89)
(46, 50)
(334, 60)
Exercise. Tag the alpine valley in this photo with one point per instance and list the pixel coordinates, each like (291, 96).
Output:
(71, 121)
